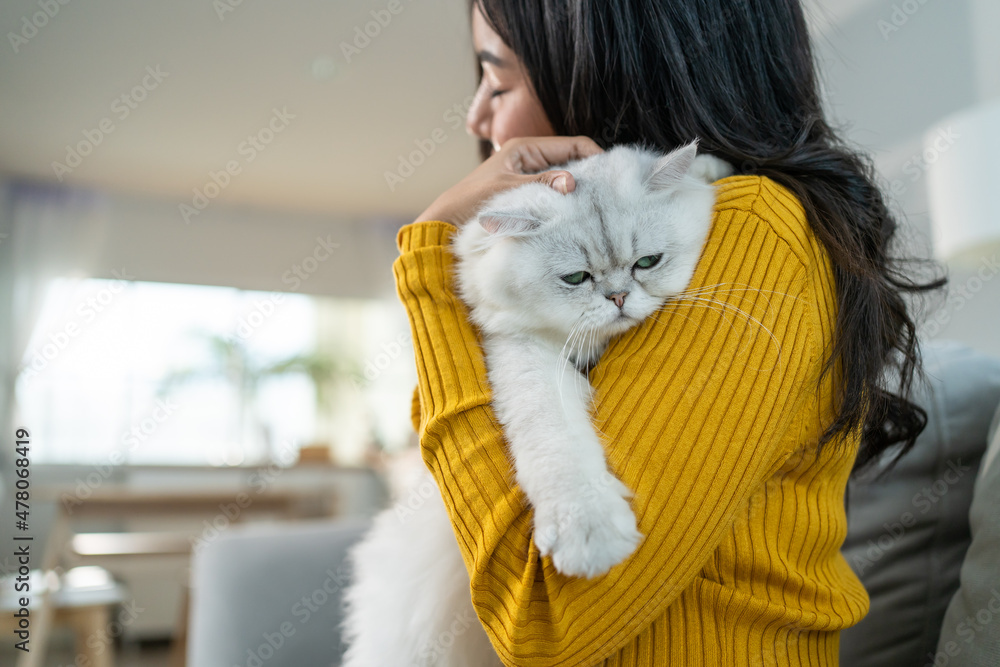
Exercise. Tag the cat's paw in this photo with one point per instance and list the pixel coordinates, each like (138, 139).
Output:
(589, 534)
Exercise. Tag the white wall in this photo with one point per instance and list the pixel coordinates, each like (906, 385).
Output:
(985, 26)
(890, 75)
(247, 248)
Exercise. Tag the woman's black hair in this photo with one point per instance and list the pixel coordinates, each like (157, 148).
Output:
(739, 76)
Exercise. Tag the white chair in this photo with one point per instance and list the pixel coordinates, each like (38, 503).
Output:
(81, 598)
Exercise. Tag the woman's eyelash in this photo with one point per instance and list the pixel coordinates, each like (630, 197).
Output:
(497, 93)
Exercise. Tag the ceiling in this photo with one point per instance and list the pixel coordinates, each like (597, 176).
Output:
(361, 103)
(224, 68)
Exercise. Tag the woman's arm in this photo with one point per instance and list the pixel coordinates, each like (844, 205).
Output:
(699, 406)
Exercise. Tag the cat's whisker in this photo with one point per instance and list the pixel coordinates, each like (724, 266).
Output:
(581, 337)
(700, 295)
(569, 339)
(661, 310)
(716, 305)
(746, 288)
(730, 293)
(726, 293)
(594, 420)
(592, 347)
(589, 339)
(723, 307)
(676, 311)
(731, 308)
(734, 288)
(591, 342)
(692, 303)
(561, 371)
(702, 288)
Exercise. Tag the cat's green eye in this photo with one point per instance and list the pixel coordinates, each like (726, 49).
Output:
(576, 278)
(647, 261)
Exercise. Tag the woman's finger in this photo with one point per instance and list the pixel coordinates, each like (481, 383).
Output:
(521, 160)
(526, 155)
(559, 180)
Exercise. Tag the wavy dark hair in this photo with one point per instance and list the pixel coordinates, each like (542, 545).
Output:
(739, 76)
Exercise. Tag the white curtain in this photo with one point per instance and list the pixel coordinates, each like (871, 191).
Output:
(46, 232)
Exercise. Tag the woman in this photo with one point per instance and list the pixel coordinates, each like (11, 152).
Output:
(737, 434)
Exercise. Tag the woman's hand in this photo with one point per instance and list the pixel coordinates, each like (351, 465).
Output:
(512, 166)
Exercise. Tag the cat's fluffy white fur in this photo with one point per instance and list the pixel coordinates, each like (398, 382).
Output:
(549, 280)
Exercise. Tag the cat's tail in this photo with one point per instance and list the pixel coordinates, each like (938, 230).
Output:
(409, 604)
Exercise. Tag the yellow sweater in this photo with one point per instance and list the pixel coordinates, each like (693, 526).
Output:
(711, 417)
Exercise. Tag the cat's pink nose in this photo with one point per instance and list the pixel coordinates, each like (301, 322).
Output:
(618, 298)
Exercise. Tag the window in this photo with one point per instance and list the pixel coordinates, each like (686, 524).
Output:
(139, 372)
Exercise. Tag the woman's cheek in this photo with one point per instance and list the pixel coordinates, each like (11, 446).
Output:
(520, 116)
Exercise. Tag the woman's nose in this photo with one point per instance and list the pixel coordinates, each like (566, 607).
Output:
(477, 120)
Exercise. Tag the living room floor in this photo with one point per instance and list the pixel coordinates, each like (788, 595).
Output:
(130, 654)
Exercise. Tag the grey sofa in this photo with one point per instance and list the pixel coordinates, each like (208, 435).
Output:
(970, 633)
(271, 595)
(908, 533)
(254, 590)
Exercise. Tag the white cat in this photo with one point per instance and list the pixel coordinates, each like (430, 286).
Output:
(549, 280)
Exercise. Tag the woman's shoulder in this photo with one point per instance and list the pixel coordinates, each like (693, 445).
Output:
(761, 237)
(759, 200)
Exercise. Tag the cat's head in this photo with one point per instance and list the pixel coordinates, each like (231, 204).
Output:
(600, 259)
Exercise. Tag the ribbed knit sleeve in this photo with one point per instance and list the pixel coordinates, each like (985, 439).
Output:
(709, 411)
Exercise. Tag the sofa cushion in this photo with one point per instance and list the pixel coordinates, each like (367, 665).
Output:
(271, 595)
(970, 633)
(908, 532)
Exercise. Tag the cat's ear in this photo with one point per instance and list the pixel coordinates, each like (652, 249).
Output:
(672, 167)
(507, 222)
